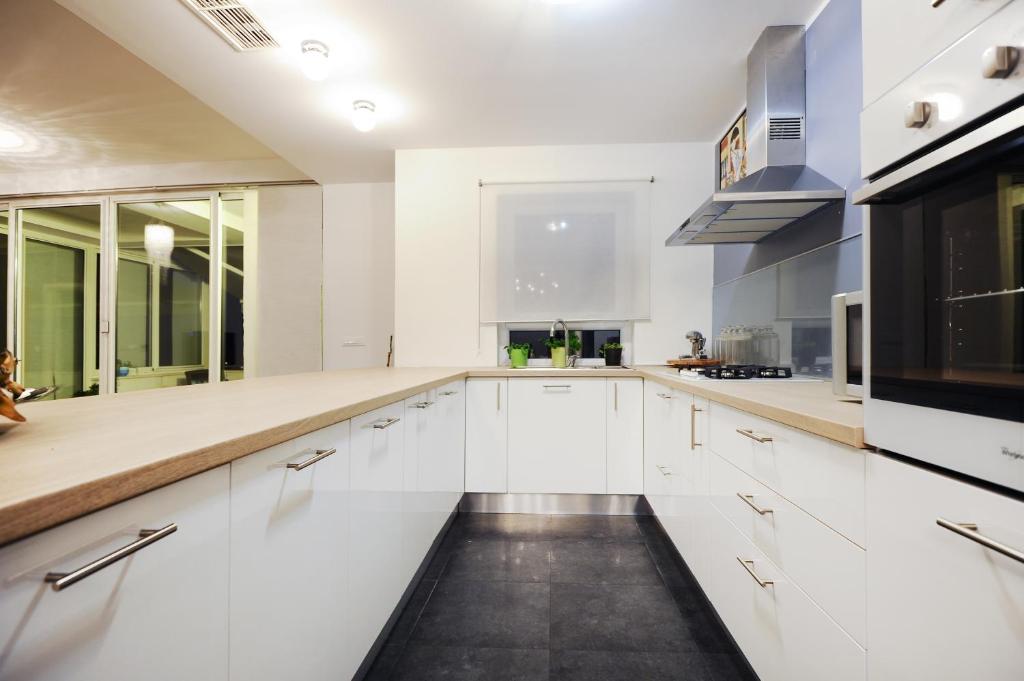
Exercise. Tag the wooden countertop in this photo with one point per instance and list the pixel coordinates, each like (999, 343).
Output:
(77, 456)
(807, 405)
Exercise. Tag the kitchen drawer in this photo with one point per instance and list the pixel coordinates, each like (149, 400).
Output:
(952, 82)
(822, 477)
(826, 565)
(940, 606)
(901, 36)
(784, 635)
(161, 613)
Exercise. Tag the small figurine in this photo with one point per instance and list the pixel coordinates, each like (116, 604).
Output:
(13, 393)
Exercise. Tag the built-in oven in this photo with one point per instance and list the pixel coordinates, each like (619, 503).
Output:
(946, 304)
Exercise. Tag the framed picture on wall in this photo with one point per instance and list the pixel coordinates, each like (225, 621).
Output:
(732, 153)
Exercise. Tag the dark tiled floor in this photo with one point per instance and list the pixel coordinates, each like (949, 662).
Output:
(525, 597)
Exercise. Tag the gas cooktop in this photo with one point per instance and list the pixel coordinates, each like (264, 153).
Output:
(743, 371)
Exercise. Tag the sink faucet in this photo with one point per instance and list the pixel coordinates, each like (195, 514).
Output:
(570, 359)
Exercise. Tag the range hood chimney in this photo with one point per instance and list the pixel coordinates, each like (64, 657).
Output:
(779, 188)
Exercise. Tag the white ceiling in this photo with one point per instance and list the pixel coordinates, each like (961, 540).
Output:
(461, 72)
(79, 99)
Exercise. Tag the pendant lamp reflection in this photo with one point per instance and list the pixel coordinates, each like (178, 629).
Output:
(159, 242)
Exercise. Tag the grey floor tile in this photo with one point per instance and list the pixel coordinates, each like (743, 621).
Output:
(593, 527)
(485, 614)
(411, 613)
(511, 560)
(423, 663)
(576, 561)
(577, 665)
(616, 617)
(728, 668)
(501, 526)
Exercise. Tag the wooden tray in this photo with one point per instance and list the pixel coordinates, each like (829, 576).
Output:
(691, 362)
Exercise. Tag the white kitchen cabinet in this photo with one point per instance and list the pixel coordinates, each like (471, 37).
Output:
(900, 37)
(664, 418)
(487, 435)
(941, 606)
(289, 560)
(161, 613)
(556, 441)
(782, 633)
(420, 435)
(377, 573)
(625, 437)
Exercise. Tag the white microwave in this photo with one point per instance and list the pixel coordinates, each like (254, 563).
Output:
(848, 344)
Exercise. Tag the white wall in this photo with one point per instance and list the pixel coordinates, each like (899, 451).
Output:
(290, 263)
(359, 274)
(437, 247)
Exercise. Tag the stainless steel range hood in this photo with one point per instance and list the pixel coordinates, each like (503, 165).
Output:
(779, 188)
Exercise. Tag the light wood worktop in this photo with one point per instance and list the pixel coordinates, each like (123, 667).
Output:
(76, 456)
(807, 405)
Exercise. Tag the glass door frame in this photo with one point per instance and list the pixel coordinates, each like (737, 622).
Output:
(106, 333)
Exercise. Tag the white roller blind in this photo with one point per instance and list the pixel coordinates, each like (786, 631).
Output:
(580, 251)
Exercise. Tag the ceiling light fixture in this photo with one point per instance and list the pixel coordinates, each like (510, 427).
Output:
(158, 241)
(314, 59)
(364, 115)
(10, 139)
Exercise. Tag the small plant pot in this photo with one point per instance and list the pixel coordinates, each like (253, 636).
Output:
(558, 358)
(517, 358)
(613, 357)
(122, 371)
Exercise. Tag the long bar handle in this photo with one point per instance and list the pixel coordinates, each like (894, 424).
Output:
(970, 531)
(693, 427)
(563, 386)
(748, 565)
(616, 396)
(318, 455)
(748, 499)
(498, 386)
(62, 580)
(747, 432)
(381, 424)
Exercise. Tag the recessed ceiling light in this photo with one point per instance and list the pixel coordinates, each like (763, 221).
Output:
(364, 115)
(10, 139)
(314, 59)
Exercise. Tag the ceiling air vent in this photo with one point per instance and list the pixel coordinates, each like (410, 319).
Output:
(786, 128)
(234, 22)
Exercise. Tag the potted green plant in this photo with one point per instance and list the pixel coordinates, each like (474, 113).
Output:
(557, 348)
(518, 354)
(612, 353)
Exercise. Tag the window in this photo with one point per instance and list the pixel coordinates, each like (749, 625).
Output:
(576, 251)
(592, 339)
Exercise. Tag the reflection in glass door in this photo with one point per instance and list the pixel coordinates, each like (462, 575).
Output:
(235, 222)
(4, 232)
(163, 294)
(58, 335)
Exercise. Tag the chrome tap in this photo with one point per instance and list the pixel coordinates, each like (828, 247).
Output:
(570, 359)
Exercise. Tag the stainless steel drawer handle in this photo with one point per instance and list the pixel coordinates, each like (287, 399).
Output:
(970, 531)
(561, 387)
(318, 455)
(748, 499)
(661, 469)
(381, 424)
(665, 396)
(748, 565)
(449, 393)
(421, 405)
(747, 432)
(62, 580)
(693, 427)
(936, 3)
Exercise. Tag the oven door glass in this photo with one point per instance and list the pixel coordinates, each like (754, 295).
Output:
(947, 287)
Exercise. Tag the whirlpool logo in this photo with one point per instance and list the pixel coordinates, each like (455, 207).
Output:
(1016, 456)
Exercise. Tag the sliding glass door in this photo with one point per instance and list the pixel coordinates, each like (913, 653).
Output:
(126, 293)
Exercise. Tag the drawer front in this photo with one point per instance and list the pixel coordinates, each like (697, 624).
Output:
(137, 618)
(940, 606)
(822, 477)
(952, 82)
(557, 436)
(901, 36)
(784, 635)
(664, 412)
(827, 566)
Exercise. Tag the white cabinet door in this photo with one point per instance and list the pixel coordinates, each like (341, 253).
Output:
(625, 400)
(417, 515)
(376, 569)
(487, 435)
(285, 522)
(689, 507)
(161, 613)
(899, 37)
(940, 606)
(557, 436)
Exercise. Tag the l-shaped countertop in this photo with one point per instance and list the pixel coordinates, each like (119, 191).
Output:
(76, 456)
